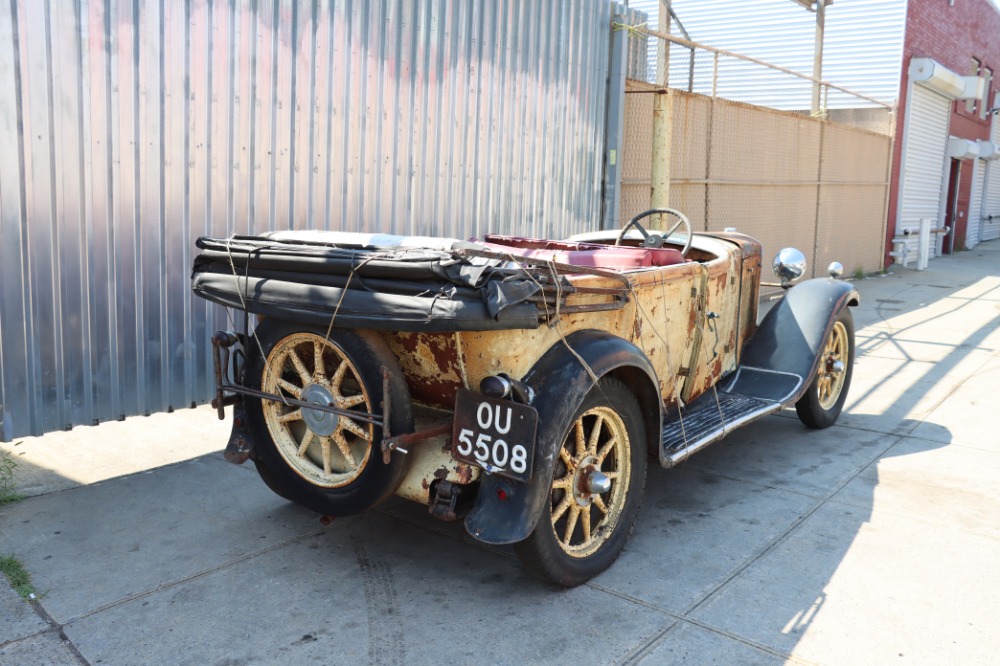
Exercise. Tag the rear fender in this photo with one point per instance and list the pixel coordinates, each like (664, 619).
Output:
(791, 336)
(561, 382)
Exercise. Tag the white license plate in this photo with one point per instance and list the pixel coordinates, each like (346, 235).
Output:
(497, 435)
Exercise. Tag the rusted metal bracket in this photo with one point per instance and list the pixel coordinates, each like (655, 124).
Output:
(386, 401)
(240, 444)
(221, 342)
(444, 501)
(401, 442)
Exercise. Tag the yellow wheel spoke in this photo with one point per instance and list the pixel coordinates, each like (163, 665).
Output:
(581, 440)
(345, 449)
(327, 467)
(319, 371)
(561, 509)
(611, 475)
(290, 388)
(599, 503)
(585, 523)
(574, 515)
(338, 377)
(306, 441)
(299, 367)
(352, 427)
(566, 458)
(606, 449)
(352, 401)
(595, 434)
(295, 415)
(566, 482)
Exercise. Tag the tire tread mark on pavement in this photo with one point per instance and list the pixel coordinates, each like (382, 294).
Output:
(385, 637)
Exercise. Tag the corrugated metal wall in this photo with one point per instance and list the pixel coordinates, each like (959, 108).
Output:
(129, 128)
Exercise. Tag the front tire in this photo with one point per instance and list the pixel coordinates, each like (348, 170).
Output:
(822, 403)
(582, 531)
(329, 463)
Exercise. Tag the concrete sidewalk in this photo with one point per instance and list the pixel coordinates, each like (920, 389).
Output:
(875, 541)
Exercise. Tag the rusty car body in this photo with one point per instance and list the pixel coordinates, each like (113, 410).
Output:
(518, 384)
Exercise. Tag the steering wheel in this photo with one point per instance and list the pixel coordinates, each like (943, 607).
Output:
(657, 240)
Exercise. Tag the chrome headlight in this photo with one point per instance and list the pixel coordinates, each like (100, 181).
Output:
(789, 265)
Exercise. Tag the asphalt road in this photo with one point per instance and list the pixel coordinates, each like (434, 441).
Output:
(875, 541)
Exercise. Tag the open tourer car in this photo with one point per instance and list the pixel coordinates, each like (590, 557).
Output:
(520, 385)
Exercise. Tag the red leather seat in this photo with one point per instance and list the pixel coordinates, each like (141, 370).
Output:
(610, 257)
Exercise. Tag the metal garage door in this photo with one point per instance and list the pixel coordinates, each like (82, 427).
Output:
(990, 227)
(975, 203)
(991, 205)
(925, 147)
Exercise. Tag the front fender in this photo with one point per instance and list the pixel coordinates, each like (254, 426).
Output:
(561, 381)
(791, 336)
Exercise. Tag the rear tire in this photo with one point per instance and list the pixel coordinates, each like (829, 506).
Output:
(822, 403)
(265, 474)
(329, 463)
(581, 533)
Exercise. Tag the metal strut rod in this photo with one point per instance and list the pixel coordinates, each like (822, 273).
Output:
(222, 341)
(355, 416)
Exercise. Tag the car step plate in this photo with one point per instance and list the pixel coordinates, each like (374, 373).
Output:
(708, 417)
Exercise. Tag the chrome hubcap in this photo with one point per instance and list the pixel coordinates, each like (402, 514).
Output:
(320, 422)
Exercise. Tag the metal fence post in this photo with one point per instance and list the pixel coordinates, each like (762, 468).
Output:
(615, 128)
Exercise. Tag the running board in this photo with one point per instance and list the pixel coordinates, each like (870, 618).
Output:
(715, 414)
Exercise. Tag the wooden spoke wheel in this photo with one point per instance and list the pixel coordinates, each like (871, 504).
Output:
(591, 484)
(329, 462)
(596, 490)
(824, 400)
(328, 450)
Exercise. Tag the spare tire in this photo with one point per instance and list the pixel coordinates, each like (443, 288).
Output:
(327, 462)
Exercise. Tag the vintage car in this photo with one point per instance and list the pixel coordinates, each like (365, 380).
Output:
(521, 384)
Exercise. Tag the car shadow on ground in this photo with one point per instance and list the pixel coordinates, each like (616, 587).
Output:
(747, 535)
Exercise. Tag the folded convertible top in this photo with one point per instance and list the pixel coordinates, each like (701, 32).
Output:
(403, 287)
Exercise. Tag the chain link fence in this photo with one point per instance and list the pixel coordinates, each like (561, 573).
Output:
(771, 152)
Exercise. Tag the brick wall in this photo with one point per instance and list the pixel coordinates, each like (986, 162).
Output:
(951, 34)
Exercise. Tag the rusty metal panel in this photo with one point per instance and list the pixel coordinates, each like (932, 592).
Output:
(659, 319)
(131, 127)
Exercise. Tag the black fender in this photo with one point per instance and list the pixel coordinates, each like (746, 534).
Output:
(561, 381)
(790, 337)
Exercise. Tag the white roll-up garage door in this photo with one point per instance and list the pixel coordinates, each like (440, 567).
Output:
(925, 146)
(975, 203)
(991, 198)
(991, 205)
